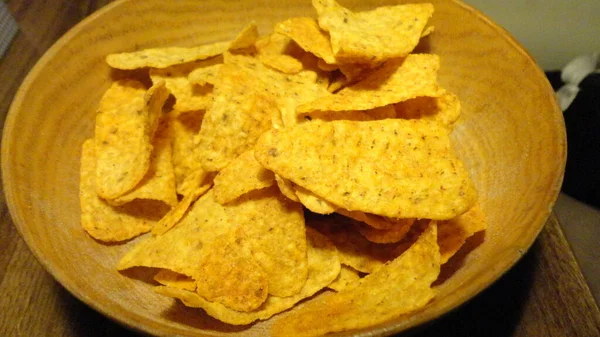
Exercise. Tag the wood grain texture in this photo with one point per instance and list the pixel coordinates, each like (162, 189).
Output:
(511, 136)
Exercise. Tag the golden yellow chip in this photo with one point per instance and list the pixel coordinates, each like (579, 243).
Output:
(181, 248)
(390, 235)
(323, 268)
(165, 57)
(123, 141)
(453, 233)
(444, 109)
(347, 278)
(188, 96)
(229, 274)
(371, 36)
(246, 38)
(284, 63)
(395, 81)
(274, 229)
(159, 182)
(313, 202)
(342, 162)
(383, 112)
(354, 250)
(309, 36)
(240, 113)
(400, 287)
(101, 220)
(194, 186)
(185, 158)
(286, 188)
(205, 75)
(242, 175)
(121, 92)
(175, 280)
(375, 221)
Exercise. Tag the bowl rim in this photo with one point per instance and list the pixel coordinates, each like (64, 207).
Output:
(143, 327)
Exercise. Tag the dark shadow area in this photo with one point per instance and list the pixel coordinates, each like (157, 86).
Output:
(197, 318)
(458, 260)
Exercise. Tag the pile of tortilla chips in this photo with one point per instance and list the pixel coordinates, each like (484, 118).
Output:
(270, 168)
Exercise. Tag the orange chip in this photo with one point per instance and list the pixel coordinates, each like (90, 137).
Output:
(307, 34)
(400, 287)
(103, 221)
(371, 36)
(395, 81)
(454, 232)
(123, 140)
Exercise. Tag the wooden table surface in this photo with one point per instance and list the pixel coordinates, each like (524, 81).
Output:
(545, 294)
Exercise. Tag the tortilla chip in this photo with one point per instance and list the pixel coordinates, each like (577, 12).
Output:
(390, 235)
(229, 274)
(354, 250)
(159, 182)
(240, 113)
(395, 81)
(274, 229)
(98, 218)
(246, 38)
(185, 157)
(188, 96)
(123, 141)
(205, 75)
(400, 287)
(323, 268)
(444, 109)
(453, 233)
(371, 36)
(313, 202)
(286, 188)
(195, 185)
(347, 278)
(242, 175)
(341, 162)
(165, 57)
(309, 36)
(175, 280)
(181, 249)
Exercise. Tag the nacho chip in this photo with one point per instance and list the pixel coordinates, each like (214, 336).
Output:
(323, 268)
(98, 218)
(400, 287)
(175, 280)
(123, 140)
(284, 63)
(188, 96)
(390, 235)
(371, 36)
(246, 38)
(309, 36)
(242, 175)
(240, 113)
(341, 162)
(445, 109)
(205, 75)
(185, 157)
(354, 250)
(375, 221)
(159, 182)
(274, 229)
(347, 278)
(195, 185)
(313, 202)
(165, 57)
(228, 274)
(286, 188)
(395, 81)
(121, 92)
(383, 112)
(453, 233)
(182, 248)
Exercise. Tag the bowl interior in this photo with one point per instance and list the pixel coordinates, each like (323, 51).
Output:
(511, 137)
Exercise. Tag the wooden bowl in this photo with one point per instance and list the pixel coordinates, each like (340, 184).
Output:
(511, 137)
